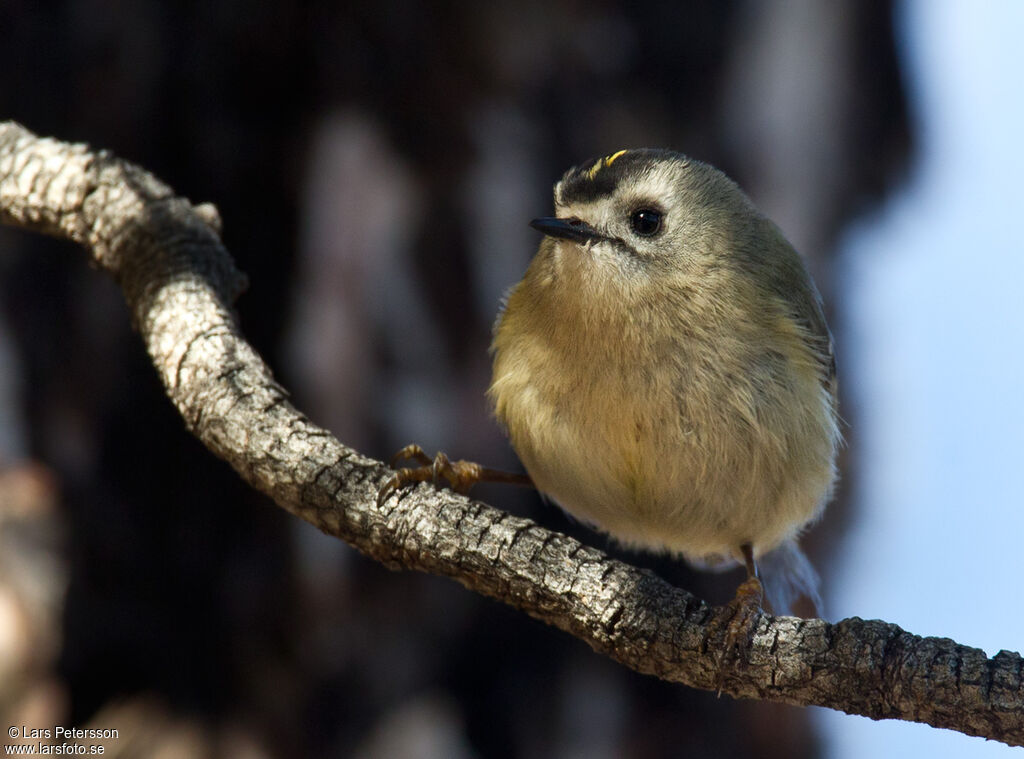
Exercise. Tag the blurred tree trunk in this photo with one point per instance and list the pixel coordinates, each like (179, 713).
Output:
(376, 165)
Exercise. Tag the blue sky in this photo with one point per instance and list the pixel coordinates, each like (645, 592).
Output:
(933, 362)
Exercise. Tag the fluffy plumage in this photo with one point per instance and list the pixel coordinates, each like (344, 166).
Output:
(675, 390)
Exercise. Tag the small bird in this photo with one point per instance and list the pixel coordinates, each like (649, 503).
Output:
(665, 373)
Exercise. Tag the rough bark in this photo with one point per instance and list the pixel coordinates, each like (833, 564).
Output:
(180, 282)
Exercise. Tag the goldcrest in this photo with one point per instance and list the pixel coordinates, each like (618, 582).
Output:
(665, 373)
(664, 370)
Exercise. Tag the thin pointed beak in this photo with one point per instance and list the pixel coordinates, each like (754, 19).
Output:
(566, 229)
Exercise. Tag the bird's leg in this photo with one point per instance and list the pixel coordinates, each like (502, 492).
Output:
(751, 591)
(741, 616)
(461, 475)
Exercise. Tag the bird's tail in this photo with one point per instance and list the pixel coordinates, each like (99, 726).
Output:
(787, 574)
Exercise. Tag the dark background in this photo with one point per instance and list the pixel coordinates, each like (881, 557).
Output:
(375, 165)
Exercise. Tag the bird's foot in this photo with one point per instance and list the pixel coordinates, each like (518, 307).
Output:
(461, 475)
(739, 618)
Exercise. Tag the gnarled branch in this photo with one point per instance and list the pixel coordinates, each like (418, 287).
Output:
(180, 282)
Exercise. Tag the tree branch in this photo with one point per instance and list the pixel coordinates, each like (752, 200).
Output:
(180, 282)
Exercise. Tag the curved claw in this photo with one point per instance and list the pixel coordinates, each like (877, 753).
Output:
(747, 614)
(413, 452)
(438, 466)
(401, 478)
(740, 619)
(461, 475)
(387, 489)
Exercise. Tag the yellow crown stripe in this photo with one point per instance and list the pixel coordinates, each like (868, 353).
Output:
(602, 163)
(610, 159)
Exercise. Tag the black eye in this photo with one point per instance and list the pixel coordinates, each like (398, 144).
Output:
(646, 222)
